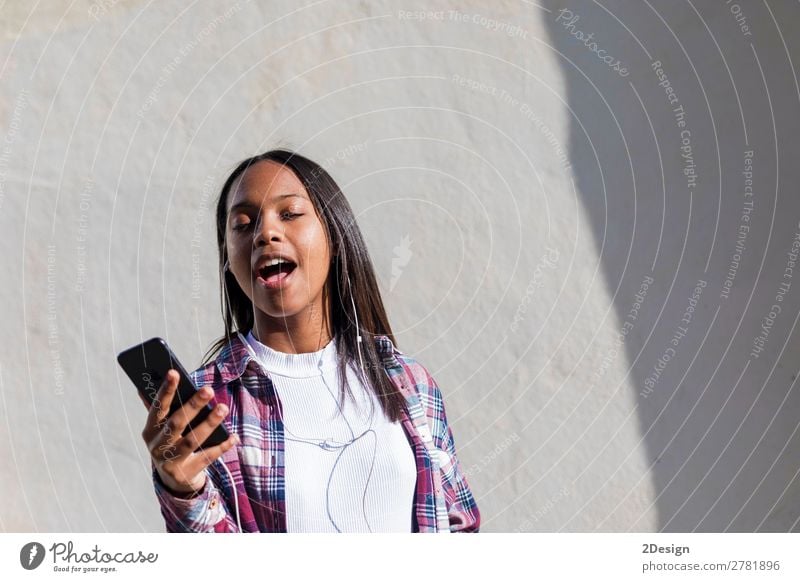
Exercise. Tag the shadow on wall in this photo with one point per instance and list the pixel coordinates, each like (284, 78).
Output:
(683, 151)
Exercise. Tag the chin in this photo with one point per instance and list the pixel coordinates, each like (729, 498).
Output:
(278, 311)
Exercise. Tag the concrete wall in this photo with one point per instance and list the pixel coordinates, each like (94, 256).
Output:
(590, 286)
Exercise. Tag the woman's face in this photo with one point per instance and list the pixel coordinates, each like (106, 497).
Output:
(270, 213)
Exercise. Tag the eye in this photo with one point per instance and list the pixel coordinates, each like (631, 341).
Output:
(242, 226)
(290, 215)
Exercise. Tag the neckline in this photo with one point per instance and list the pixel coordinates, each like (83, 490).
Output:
(303, 365)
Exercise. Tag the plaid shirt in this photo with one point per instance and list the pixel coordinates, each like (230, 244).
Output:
(443, 501)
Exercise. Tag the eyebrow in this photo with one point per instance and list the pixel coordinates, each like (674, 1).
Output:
(239, 205)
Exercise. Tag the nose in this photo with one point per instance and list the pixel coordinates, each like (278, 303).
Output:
(268, 228)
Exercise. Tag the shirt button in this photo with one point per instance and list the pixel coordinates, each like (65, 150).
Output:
(213, 503)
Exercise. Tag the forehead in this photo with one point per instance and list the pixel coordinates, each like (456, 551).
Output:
(263, 183)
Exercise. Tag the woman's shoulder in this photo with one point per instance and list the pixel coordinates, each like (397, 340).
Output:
(205, 375)
(417, 374)
(227, 365)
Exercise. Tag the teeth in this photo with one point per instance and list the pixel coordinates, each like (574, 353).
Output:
(275, 262)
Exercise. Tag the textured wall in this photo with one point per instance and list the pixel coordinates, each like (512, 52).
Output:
(554, 199)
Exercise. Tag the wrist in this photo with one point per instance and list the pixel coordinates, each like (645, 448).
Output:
(181, 494)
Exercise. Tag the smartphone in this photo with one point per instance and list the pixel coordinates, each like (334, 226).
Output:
(147, 364)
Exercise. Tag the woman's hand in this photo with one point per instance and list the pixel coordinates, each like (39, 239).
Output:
(180, 468)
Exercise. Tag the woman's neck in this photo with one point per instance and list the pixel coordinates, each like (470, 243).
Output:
(289, 336)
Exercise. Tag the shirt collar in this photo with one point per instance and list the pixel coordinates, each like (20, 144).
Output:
(235, 355)
(305, 365)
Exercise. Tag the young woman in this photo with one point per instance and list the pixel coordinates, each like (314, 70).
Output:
(303, 315)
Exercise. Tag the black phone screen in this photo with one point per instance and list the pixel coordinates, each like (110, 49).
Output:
(147, 364)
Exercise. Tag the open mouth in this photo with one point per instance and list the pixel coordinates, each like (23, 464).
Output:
(274, 276)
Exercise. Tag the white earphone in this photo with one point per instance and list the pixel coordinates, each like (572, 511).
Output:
(358, 330)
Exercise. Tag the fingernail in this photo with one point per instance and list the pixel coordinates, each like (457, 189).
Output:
(220, 410)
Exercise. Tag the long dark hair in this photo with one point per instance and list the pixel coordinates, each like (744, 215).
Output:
(351, 272)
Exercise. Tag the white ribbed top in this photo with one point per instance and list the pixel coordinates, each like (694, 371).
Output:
(360, 486)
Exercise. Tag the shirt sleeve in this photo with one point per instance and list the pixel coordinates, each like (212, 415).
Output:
(462, 510)
(207, 512)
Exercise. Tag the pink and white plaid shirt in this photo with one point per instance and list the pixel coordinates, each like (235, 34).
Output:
(443, 501)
